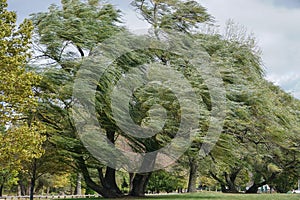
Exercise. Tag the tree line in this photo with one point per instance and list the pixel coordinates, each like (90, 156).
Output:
(40, 61)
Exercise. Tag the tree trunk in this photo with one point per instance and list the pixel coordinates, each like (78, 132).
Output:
(140, 181)
(193, 176)
(78, 184)
(33, 179)
(23, 189)
(1, 190)
(223, 188)
(139, 185)
(230, 180)
(19, 190)
(254, 188)
(222, 183)
(32, 185)
(109, 182)
(108, 188)
(131, 177)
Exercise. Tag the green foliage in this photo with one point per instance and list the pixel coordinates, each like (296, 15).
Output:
(183, 16)
(261, 129)
(163, 181)
(21, 134)
(16, 95)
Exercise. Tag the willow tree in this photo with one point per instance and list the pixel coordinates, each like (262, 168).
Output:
(183, 17)
(64, 36)
(257, 121)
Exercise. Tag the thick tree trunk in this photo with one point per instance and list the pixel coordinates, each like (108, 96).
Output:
(223, 188)
(230, 180)
(193, 176)
(139, 185)
(107, 188)
(140, 181)
(109, 181)
(1, 190)
(254, 188)
(222, 183)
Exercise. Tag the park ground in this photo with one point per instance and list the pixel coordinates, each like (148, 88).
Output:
(216, 196)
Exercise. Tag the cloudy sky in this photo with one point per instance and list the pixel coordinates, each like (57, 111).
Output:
(275, 23)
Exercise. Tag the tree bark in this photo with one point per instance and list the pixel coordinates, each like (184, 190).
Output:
(1, 190)
(19, 190)
(78, 184)
(108, 187)
(131, 177)
(193, 176)
(33, 179)
(230, 180)
(22, 188)
(254, 188)
(109, 182)
(141, 180)
(104, 189)
(139, 185)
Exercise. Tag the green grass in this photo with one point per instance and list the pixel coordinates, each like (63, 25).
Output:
(217, 196)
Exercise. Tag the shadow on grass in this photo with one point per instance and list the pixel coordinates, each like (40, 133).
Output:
(174, 196)
(181, 197)
(158, 197)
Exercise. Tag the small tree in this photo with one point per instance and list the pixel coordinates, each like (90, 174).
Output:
(20, 138)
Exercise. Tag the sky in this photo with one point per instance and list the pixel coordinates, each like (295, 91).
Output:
(275, 24)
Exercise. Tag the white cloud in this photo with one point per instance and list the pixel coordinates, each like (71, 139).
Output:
(275, 24)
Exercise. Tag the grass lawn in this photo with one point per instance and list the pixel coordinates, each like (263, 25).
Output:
(218, 196)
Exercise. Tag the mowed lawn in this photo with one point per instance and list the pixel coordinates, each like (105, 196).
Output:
(217, 196)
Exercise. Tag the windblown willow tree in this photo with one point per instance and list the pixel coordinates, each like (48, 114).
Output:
(63, 38)
(20, 133)
(260, 121)
(68, 37)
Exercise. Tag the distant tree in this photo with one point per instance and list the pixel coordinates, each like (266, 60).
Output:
(163, 181)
